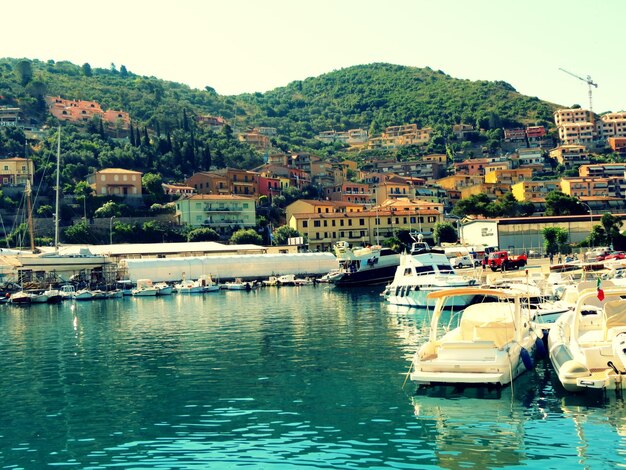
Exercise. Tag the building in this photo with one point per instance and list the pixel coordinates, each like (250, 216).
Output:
(515, 135)
(509, 177)
(177, 189)
(570, 155)
(360, 193)
(523, 234)
(116, 182)
(16, 171)
(10, 116)
(617, 144)
(222, 213)
(534, 191)
(77, 111)
(587, 186)
(225, 181)
(324, 229)
(256, 140)
(530, 157)
(602, 170)
(215, 123)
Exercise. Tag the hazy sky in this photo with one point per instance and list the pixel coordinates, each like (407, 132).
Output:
(238, 46)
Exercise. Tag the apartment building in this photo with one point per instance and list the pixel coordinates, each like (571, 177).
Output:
(586, 187)
(222, 213)
(256, 140)
(215, 123)
(530, 157)
(225, 181)
(617, 144)
(16, 171)
(324, 229)
(534, 191)
(579, 126)
(116, 182)
(570, 155)
(312, 206)
(515, 135)
(602, 170)
(571, 115)
(361, 193)
(509, 176)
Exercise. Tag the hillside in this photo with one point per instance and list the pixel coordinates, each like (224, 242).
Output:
(367, 96)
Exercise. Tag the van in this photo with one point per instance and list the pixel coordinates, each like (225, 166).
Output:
(465, 261)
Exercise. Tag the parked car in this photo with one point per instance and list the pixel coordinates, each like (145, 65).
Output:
(500, 260)
(615, 255)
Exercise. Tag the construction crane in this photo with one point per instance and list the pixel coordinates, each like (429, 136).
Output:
(587, 80)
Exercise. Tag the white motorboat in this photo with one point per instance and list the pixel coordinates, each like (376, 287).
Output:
(82, 294)
(363, 266)
(54, 296)
(207, 283)
(423, 272)
(126, 286)
(489, 343)
(163, 288)
(68, 291)
(237, 284)
(115, 294)
(144, 288)
(587, 345)
(286, 280)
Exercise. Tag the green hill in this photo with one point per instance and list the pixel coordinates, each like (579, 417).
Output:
(367, 96)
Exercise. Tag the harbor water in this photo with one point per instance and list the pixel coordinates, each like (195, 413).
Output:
(275, 378)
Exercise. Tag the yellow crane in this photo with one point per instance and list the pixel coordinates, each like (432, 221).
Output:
(587, 80)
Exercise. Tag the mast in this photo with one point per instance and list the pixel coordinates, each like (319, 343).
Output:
(31, 230)
(56, 204)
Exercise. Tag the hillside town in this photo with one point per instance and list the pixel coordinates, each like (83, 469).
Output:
(365, 203)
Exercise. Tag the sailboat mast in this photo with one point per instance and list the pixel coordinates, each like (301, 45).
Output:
(56, 205)
(31, 229)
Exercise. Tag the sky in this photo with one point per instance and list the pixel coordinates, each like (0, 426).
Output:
(247, 46)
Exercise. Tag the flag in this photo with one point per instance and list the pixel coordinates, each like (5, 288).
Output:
(600, 291)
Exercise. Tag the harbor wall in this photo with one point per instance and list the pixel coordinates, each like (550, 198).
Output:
(247, 267)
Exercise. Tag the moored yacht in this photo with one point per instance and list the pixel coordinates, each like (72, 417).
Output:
(424, 271)
(364, 266)
(489, 343)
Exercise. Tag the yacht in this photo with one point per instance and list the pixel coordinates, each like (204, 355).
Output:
(489, 343)
(587, 345)
(144, 288)
(163, 288)
(364, 266)
(424, 271)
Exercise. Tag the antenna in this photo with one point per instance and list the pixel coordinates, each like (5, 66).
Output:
(587, 80)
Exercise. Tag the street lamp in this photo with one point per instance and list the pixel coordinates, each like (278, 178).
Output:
(590, 220)
(111, 230)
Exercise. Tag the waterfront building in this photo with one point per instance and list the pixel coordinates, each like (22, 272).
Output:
(222, 213)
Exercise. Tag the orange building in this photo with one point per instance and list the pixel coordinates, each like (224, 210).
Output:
(84, 111)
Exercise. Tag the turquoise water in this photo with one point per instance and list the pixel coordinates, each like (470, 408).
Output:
(308, 377)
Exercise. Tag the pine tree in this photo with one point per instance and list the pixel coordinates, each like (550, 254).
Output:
(131, 135)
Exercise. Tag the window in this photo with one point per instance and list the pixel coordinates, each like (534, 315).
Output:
(305, 224)
(316, 223)
(361, 221)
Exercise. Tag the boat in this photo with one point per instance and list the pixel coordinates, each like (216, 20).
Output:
(272, 281)
(98, 294)
(422, 272)
(114, 294)
(188, 287)
(144, 288)
(82, 294)
(363, 266)
(56, 258)
(163, 288)
(54, 295)
(587, 345)
(38, 298)
(237, 284)
(488, 343)
(286, 280)
(207, 283)
(68, 291)
(21, 298)
(125, 285)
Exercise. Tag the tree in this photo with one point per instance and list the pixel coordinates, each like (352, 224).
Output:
(611, 225)
(153, 184)
(87, 70)
(108, 209)
(24, 71)
(78, 233)
(281, 234)
(203, 235)
(559, 203)
(555, 240)
(83, 192)
(245, 236)
(444, 232)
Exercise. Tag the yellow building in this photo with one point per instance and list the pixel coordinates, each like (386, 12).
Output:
(534, 190)
(324, 229)
(459, 181)
(16, 171)
(116, 182)
(585, 187)
(509, 176)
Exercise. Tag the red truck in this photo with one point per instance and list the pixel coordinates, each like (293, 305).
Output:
(500, 260)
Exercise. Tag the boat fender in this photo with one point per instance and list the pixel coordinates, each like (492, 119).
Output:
(541, 348)
(526, 359)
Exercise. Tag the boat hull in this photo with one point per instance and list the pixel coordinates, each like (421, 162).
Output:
(366, 277)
